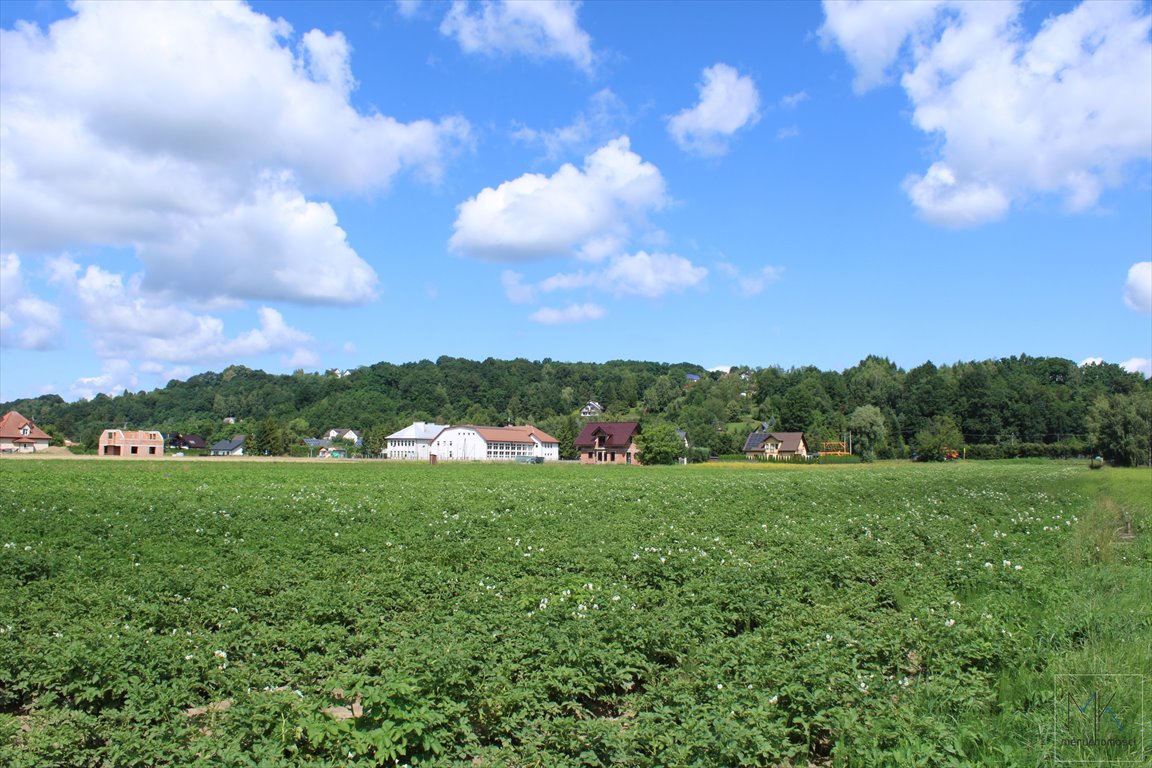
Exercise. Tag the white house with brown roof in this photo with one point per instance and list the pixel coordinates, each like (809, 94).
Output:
(131, 443)
(469, 443)
(763, 444)
(20, 435)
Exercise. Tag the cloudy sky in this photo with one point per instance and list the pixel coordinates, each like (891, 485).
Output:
(184, 186)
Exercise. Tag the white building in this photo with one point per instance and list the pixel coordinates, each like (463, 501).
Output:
(414, 442)
(468, 443)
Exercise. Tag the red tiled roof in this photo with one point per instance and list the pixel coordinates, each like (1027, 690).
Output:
(523, 434)
(618, 433)
(11, 424)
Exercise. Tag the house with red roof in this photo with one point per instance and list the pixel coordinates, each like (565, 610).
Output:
(608, 442)
(20, 435)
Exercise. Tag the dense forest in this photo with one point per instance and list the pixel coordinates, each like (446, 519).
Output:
(1018, 406)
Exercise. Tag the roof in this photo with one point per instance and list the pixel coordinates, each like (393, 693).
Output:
(419, 430)
(510, 434)
(11, 424)
(229, 445)
(618, 433)
(789, 441)
(191, 440)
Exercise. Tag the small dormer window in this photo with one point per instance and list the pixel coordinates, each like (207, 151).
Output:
(25, 430)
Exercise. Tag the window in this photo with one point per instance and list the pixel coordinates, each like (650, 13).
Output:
(135, 449)
(152, 449)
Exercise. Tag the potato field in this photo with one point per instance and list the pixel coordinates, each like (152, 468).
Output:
(206, 612)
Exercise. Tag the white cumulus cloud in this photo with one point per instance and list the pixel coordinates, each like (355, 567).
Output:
(1064, 112)
(728, 102)
(573, 313)
(26, 321)
(639, 274)
(575, 212)
(126, 321)
(539, 29)
(1138, 365)
(1138, 290)
(191, 132)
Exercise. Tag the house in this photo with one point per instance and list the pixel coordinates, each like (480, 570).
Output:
(591, 410)
(608, 442)
(414, 442)
(233, 447)
(20, 435)
(764, 444)
(470, 443)
(179, 441)
(342, 434)
(130, 443)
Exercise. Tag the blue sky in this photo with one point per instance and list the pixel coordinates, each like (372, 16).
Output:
(185, 186)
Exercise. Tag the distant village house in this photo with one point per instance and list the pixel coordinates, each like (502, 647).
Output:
(130, 443)
(763, 444)
(592, 409)
(179, 441)
(20, 435)
(608, 442)
(414, 442)
(469, 443)
(233, 447)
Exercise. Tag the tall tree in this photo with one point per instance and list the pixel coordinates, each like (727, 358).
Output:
(1120, 427)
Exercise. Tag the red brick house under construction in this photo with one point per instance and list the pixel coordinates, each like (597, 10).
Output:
(138, 444)
(608, 442)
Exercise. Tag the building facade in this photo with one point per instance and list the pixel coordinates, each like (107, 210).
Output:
(20, 435)
(469, 443)
(609, 442)
(414, 442)
(131, 443)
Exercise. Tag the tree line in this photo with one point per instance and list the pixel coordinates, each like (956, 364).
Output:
(1009, 407)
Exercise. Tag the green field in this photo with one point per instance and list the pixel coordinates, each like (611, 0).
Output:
(200, 612)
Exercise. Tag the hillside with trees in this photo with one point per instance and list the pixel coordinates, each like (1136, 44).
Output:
(1017, 406)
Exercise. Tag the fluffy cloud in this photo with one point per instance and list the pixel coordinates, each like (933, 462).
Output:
(228, 123)
(125, 321)
(640, 274)
(728, 102)
(222, 255)
(26, 321)
(115, 377)
(573, 313)
(1132, 365)
(1138, 290)
(574, 212)
(1138, 365)
(1062, 112)
(540, 29)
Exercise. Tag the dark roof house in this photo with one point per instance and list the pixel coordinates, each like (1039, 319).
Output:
(233, 447)
(765, 444)
(608, 442)
(183, 442)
